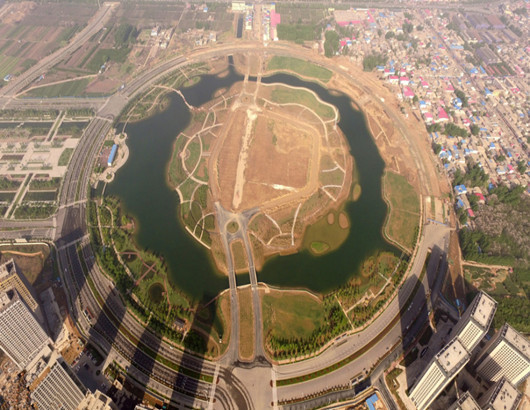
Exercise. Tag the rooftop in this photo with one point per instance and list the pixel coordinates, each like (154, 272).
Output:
(7, 269)
(505, 396)
(453, 356)
(484, 309)
(519, 341)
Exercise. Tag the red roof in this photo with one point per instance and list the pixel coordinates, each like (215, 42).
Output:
(275, 18)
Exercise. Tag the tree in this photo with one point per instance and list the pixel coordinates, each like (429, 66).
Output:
(331, 44)
(460, 94)
(474, 129)
(389, 35)
(372, 60)
(521, 167)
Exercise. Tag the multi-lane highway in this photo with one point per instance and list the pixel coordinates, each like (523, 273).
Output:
(68, 229)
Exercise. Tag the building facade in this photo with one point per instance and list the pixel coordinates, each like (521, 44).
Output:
(58, 389)
(21, 336)
(507, 355)
(475, 322)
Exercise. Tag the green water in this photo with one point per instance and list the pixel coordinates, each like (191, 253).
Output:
(141, 185)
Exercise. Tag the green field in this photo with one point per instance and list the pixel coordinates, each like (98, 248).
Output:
(291, 314)
(104, 55)
(321, 237)
(404, 210)
(72, 88)
(301, 67)
(283, 95)
(7, 64)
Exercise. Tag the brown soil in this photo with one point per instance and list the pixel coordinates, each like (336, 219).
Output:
(331, 218)
(102, 86)
(344, 223)
(228, 158)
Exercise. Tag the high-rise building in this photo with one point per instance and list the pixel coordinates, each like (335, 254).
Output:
(507, 354)
(475, 322)
(21, 336)
(439, 372)
(501, 396)
(465, 402)
(57, 387)
(97, 401)
(10, 278)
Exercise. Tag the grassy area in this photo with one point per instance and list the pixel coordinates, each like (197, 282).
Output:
(284, 95)
(7, 63)
(319, 247)
(239, 256)
(72, 88)
(321, 234)
(301, 67)
(402, 222)
(246, 324)
(65, 157)
(102, 56)
(291, 314)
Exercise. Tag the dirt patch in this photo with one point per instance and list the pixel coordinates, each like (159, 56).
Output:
(331, 218)
(344, 222)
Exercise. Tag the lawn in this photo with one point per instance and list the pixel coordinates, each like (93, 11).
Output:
(65, 157)
(246, 324)
(301, 67)
(404, 210)
(74, 88)
(291, 314)
(283, 95)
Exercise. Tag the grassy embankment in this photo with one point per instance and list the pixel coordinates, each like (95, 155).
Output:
(284, 95)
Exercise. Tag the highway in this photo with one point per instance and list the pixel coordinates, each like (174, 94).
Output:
(69, 229)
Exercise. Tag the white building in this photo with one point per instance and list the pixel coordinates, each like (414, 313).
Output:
(501, 396)
(438, 374)
(475, 322)
(10, 278)
(507, 355)
(21, 336)
(57, 387)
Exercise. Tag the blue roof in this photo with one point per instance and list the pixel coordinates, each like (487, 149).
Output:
(371, 400)
(460, 189)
